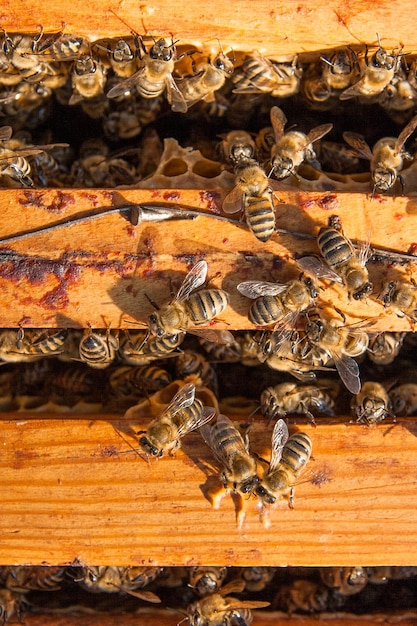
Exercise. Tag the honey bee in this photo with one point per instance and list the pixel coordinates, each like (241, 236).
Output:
(17, 346)
(98, 350)
(253, 195)
(183, 414)
(238, 147)
(403, 399)
(372, 404)
(401, 297)
(232, 453)
(134, 382)
(387, 157)
(347, 580)
(377, 72)
(293, 147)
(88, 78)
(344, 264)
(139, 349)
(381, 574)
(302, 595)
(217, 609)
(209, 76)
(257, 578)
(75, 383)
(335, 341)
(190, 309)
(340, 69)
(289, 456)
(278, 303)
(207, 579)
(385, 347)
(225, 353)
(337, 157)
(287, 398)
(189, 362)
(123, 54)
(258, 74)
(11, 603)
(154, 75)
(115, 579)
(27, 578)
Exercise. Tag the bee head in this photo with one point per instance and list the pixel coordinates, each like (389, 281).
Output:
(249, 485)
(267, 497)
(384, 178)
(363, 291)
(149, 448)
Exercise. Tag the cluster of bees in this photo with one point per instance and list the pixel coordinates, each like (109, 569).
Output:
(203, 594)
(133, 91)
(140, 82)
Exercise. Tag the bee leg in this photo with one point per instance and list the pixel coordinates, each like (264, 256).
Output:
(309, 416)
(401, 179)
(291, 498)
(152, 302)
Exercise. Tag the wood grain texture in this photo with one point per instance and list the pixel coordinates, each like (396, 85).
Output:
(75, 491)
(275, 28)
(99, 272)
(157, 617)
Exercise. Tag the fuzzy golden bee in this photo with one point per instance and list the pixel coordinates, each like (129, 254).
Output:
(183, 414)
(342, 263)
(128, 580)
(386, 158)
(401, 297)
(286, 398)
(403, 399)
(289, 456)
(189, 310)
(372, 404)
(292, 148)
(98, 350)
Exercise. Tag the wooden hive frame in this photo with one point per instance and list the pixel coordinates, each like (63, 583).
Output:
(73, 489)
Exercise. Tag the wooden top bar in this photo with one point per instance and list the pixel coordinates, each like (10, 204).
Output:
(73, 490)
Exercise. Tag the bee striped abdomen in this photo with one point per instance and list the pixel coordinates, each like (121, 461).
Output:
(297, 452)
(260, 217)
(265, 310)
(206, 305)
(334, 247)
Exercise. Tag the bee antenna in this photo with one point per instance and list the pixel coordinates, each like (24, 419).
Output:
(326, 61)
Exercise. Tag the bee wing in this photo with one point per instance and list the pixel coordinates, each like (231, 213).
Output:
(125, 85)
(174, 95)
(51, 146)
(195, 278)
(149, 596)
(318, 132)
(215, 336)
(210, 436)
(278, 441)
(404, 134)
(234, 603)
(255, 288)
(183, 398)
(5, 133)
(278, 121)
(12, 154)
(364, 253)
(192, 423)
(233, 201)
(348, 371)
(282, 333)
(352, 91)
(358, 143)
(316, 267)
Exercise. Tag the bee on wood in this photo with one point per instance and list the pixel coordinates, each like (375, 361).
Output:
(293, 147)
(206, 580)
(98, 350)
(401, 297)
(347, 580)
(128, 580)
(209, 76)
(376, 73)
(372, 404)
(289, 456)
(287, 398)
(278, 303)
(188, 310)
(344, 264)
(88, 78)
(231, 452)
(403, 399)
(154, 75)
(386, 158)
(183, 414)
(336, 342)
(122, 53)
(218, 609)
(259, 75)
(253, 195)
(340, 69)
(384, 347)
